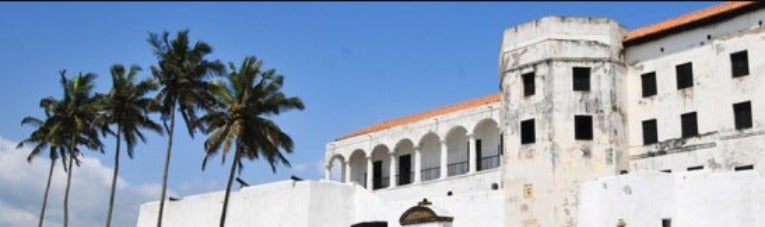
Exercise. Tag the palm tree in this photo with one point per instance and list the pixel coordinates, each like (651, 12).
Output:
(181, 72)
(241, 119)
(43, 139)
(72, 123)
(126, 106)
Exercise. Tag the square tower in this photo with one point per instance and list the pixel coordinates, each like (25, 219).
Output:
(562, 82)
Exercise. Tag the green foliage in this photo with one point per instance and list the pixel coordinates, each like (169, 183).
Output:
(240, 117)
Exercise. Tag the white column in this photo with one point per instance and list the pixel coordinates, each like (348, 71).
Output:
(327, 172)
(471, 153)
(347, 171)
(443, 160)
(392, 172)
(369, 172)
(417, 165)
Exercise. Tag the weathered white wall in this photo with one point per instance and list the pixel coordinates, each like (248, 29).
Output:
(720, 146)
(556, 164)
(285, 203)
(333, 204)
(694, 199)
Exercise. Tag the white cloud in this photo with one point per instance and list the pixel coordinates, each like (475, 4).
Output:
(23, 185)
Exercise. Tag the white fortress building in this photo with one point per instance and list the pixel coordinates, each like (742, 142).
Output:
(594, 126)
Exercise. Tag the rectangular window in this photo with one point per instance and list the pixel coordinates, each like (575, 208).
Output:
(527, 132)
(684, 75)
(650, 134)
(743, 168)
(583, 127)
(528, 84)
(581, 78)
(743, 114)
(648, 81)
(694, 168)
(666, 222)
(689, 124)
(667, 171)
(739, 63)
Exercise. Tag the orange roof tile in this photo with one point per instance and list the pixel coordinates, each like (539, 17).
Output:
(424, 115)
(684, 20)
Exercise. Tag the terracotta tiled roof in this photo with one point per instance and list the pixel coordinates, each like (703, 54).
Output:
(424, 115)
(685, 20)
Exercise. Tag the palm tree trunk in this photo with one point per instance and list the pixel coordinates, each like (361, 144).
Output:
(228, 187)
(47, 188)
(114, 177)
(68, 186)
(167, 165)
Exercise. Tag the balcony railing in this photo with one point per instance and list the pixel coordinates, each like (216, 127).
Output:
(457, 168)
(430, 173)
(489, 162)
(404, 181)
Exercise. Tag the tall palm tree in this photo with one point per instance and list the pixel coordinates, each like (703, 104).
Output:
(246, 102)
(181, 72)
(72, 123)
(126, 106)
(43, 138)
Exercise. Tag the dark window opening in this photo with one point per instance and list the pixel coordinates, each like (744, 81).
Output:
(684, 75)
(694, 168)
(528, 84)
(501, 143)
(449, 193)
(527, 132)
(581, 78)
(739, 63)
(667, 222)
(623, 172)
(648, 81)
(650, 132)
(478, 155)
(743, 115)
(371, 224)
(689, 124)
(377, 178)
(405, 173)
(667, 171)
(583, 127)
(743, 168)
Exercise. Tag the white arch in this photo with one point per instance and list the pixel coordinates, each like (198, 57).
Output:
(487, 138)
(358, 164)
(457, 150)
(430, 160)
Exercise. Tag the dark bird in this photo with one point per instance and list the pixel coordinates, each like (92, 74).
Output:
(293, 177)
(242, 183)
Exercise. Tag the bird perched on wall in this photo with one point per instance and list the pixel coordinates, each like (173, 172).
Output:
(242, 183)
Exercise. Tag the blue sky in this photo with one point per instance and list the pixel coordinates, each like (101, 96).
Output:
(353, 64)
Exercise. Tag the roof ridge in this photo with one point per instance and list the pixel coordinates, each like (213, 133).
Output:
(424, 115)
(685, 19)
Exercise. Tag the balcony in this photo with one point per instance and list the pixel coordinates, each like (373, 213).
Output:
(430, 173)
(457, 168)
(490, 162)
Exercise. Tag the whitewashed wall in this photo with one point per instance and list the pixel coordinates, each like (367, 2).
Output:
(693, 199)
(720, 146)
